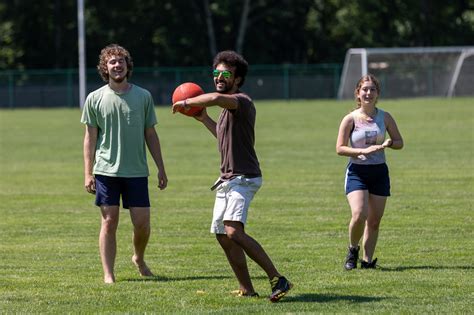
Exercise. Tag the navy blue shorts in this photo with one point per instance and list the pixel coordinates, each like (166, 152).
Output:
(134, 191)
(374, 178)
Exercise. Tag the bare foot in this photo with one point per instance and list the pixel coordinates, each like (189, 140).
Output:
(142, 267)
(109, 279)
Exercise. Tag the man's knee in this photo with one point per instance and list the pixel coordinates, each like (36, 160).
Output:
(235, 231)
(143, 227)
(109, 224)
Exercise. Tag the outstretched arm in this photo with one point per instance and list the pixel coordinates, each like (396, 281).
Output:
(228, 101)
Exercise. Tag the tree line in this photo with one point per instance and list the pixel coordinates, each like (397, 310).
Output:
(42, 34)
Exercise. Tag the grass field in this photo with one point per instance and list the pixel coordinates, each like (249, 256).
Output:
(49, 261)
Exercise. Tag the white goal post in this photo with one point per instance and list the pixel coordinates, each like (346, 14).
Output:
(411, 72)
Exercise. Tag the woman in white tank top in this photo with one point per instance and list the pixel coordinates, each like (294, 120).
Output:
(367, 179)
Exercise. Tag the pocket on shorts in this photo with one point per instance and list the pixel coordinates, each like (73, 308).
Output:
(225, 186)
(253, 183)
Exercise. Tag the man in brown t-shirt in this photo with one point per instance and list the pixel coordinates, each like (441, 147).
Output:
(240, 175)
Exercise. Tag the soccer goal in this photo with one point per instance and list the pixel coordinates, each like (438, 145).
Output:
(411, 72)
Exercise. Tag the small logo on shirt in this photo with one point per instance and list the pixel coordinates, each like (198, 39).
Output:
(371, 137)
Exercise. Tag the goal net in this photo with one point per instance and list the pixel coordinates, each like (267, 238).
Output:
(411, 72)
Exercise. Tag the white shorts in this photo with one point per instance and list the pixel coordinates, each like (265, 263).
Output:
(233, 200)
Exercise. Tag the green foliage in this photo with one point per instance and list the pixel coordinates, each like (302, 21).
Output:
(49, 226)
(9, 52)
(43, 34)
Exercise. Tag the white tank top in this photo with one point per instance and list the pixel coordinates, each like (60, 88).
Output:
(368, 132)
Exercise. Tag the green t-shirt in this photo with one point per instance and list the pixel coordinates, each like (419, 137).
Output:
(121, 120)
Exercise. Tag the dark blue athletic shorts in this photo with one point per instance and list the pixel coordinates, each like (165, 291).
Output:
(374, 178)
(134, 191)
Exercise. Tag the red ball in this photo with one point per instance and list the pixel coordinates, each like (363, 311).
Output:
(188, 90)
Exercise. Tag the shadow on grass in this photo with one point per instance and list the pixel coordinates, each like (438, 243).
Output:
(167, 279)
(189, 278)
(406, 268)
(326, 298)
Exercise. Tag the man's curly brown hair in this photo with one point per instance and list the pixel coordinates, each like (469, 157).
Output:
(113, 50)
(233, 59)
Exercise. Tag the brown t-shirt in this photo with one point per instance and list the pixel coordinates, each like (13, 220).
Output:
(236, 140)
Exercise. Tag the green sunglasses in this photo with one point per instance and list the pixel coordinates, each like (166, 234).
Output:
(225, 73)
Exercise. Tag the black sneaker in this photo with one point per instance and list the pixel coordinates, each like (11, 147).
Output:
(280, 287)
(367, 265)
(351, 258)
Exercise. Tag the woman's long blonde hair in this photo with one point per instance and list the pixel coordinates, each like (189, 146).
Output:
(366, 78)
